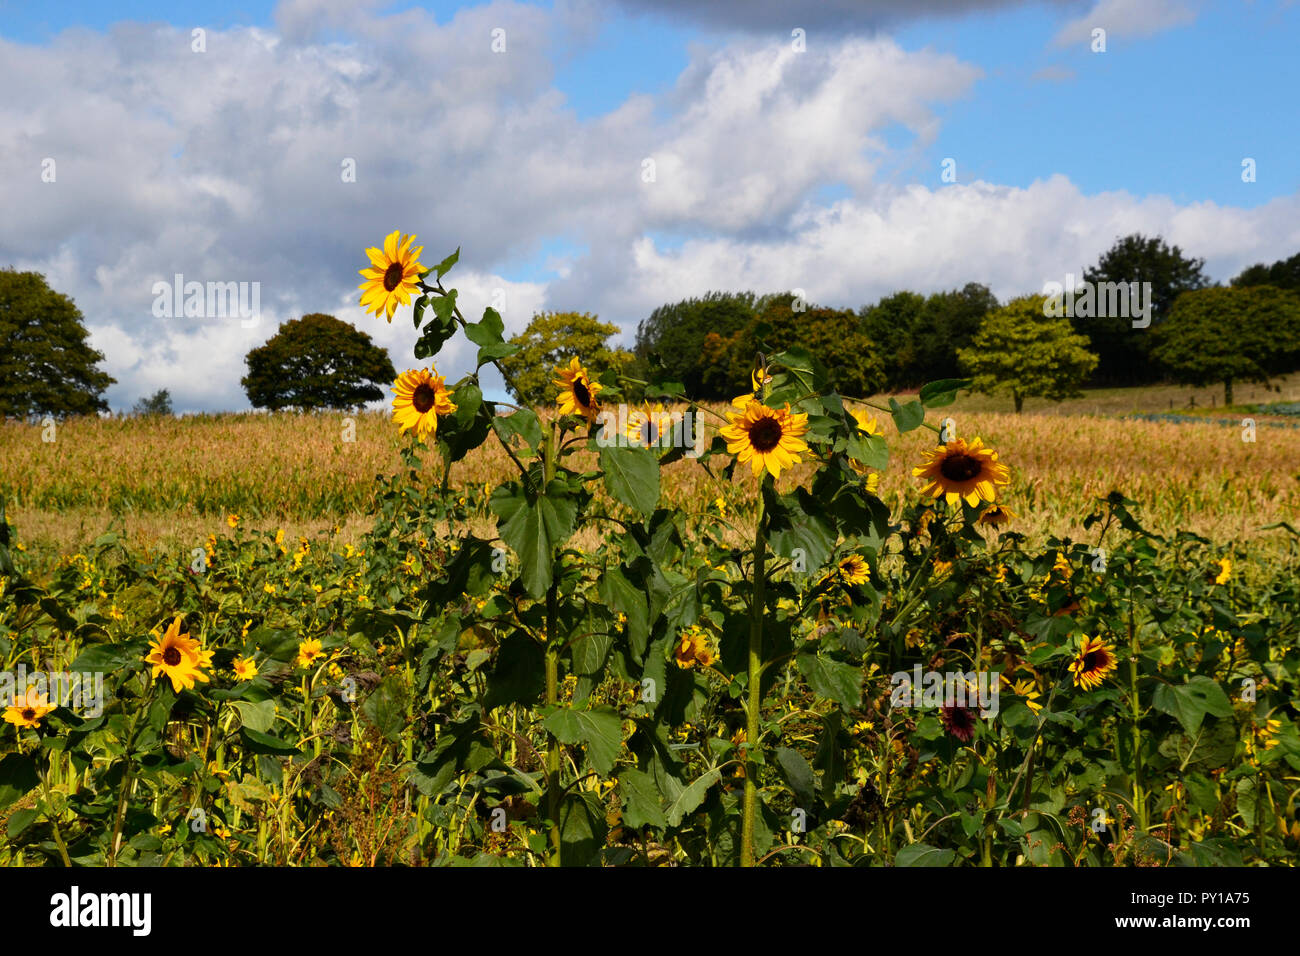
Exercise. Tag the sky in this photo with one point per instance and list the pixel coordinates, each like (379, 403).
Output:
(608, 157)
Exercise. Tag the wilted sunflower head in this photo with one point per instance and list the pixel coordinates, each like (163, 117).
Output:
(647, 425)
(1095, 660)
(961, 470)
(958, 721)
(393, 275)
(179, 657)
(577, 391)
(28, 709)
(767, 438)
(693, 648)
(420, 397)
(996, 516)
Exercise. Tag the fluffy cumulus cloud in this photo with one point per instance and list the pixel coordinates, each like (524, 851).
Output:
(227, 165)
(1127, 18)
(754, 15)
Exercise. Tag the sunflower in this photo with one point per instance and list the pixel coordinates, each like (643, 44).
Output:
(393, 275)
(647, 426)
(962, 470)
(577, 391)
(420, 398)
(179, 657)
(853, 570)
(867, 424)
(308, 651)
(28, 710)
(996, 516)
(1029, 691)
(958, 721)
(244, 669)
(1095, 660)
(765, 437)
(692, 649)
(232, 520)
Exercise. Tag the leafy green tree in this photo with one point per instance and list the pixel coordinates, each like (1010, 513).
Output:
(1124, 351)
(1019, 350)
(1283, 274)
(550, 340)
(46, 365)
(945, 326)
(831, 335)
(314, 362)
(671, 341)
(159, 403)
(890, 326)
(1228, 335)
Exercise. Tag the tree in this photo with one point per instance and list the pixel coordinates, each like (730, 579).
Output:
(832, 336)
(671, 341)
(1018, 349)
(1283, 274)
(1124, 351)
(946, 325)
(1230, 335)
(46, 365)
(890, 326)
(550, 340)
(159, 403)
(314, 362)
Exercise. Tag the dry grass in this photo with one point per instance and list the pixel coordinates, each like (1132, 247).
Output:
(170, 482)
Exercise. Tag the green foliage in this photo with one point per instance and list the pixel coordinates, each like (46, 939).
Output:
(1020, 351)
(159, 403)
(1235, 334)
(1283, 274)
(918, 337)
(314, 362)
(1124, 351)
(671, 342)
(46, 365)
(550, 340)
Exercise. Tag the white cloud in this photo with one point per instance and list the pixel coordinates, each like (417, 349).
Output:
(1127, 18)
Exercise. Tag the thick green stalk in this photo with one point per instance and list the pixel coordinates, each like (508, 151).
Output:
(1139, 797)
(755, 696)
(553, 755)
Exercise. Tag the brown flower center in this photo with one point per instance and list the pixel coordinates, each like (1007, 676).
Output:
(765, 434)
(1094, 660)
(171, 657)
(29, 713)
(423, 397)
(393, 277)
(959, 466)
(582, 393)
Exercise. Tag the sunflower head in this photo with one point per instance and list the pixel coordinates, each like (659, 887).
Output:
(766, 438)
(647, 426)
(958, 721)
(577, 391)
(867, 424)
(419, 398)
(1094, 662)
(178, 657)
(244, 669)
(309, 651)
(693, 648)
(28, 709)
(853, 569)
(996, 516)
(393, 275)
(961, 470)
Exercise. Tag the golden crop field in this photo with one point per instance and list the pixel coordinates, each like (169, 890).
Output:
(162, 481)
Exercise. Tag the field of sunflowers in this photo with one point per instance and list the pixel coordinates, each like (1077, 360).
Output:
(571, 665)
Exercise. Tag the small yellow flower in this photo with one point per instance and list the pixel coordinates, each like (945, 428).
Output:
(244, 669)
(232, 520)
(692, 649)
(309, 651)
(179, 657)
(721, 505)
(28, 710)
(268, 588)
(1225, 571)
(1025, 688)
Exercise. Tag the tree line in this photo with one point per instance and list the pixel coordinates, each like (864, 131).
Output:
(1199, 333)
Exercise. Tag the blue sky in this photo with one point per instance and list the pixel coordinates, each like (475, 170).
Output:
(819, 171)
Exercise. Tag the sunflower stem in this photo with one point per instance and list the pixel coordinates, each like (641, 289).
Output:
(750, 810)
(1139, 798)
(553, 756)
